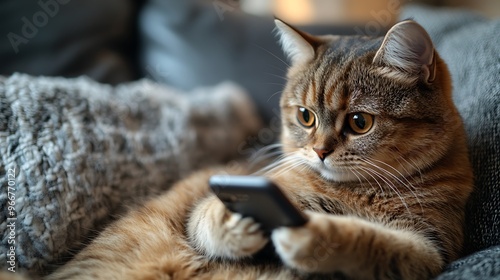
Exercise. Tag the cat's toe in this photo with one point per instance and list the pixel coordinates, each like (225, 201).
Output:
(244, 237)
(303, 248)
(242, 225)
(292, 244)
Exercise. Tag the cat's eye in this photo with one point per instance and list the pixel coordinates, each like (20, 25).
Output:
(360, 123)
(305, 117)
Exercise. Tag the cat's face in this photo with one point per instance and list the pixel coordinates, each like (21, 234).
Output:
(358, 108)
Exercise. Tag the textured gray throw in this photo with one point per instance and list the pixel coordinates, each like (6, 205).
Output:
(83, 150)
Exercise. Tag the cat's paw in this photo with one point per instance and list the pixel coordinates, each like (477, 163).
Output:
(242, 236)
(219, 233)
(308, 248)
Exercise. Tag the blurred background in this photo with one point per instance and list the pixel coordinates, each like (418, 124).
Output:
(185, 43)
(352, 11)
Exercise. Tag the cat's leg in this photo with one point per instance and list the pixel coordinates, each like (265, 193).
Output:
(357, 248)
(217, 232)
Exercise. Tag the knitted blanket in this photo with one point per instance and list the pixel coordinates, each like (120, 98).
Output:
(73, 152)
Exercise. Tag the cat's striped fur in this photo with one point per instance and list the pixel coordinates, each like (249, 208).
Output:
(387, 203)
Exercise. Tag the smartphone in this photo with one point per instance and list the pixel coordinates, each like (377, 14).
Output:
(259, 198)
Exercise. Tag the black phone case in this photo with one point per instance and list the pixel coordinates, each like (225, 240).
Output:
(259, 198)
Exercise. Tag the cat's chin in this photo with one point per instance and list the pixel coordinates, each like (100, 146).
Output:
(331, 174)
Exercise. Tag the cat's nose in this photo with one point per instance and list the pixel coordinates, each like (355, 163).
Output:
(322, 152)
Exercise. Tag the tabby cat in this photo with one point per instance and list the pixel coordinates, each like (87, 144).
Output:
(374, 152)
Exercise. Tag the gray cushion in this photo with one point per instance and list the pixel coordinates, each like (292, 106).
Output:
(481, 265)
(82, 151)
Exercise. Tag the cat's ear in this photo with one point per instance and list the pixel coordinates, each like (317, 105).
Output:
(408, 48)
(297, 45)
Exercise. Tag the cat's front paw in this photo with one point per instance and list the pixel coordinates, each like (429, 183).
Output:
(242, 236)
(308, 248)
(218, 232)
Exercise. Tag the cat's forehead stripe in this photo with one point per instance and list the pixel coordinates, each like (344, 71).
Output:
(339, 123)
(311, 94)
(335, 91)
(328, 95)
(328, 76)
(301, 92)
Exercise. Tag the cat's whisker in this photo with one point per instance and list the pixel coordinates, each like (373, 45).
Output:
(277, 76)
(384, 172)
(412, 164)
(405, 169)
(268, 168)
(408, 185)
(282, 160)
(373, 177)
(272, 95)
(379, 175)
(275, 56)
(282, 164)
(280, 69)
(294, 162)
(265, 153)
(355, 174)
(269, 155)
(279, 172)
(363, 176)
(391, 167)
(264, 158)
(271, 83)
(289, 168)
(415, 194)
(389, 184)
(419, 170)
(269, 147)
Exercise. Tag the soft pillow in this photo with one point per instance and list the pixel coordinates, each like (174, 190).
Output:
(82, 151)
